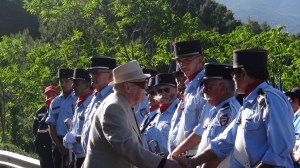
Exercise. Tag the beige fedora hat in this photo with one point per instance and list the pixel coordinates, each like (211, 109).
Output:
(126, 72)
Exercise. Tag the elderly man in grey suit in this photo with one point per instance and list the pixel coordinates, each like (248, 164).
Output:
(115, 140)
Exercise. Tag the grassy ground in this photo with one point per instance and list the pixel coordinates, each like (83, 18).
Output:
(15, 149)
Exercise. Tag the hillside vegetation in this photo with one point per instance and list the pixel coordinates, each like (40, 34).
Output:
(72, 31)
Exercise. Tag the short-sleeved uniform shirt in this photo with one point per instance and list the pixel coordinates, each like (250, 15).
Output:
(158, 129)
(60, 109)
(78, 121)
(220, 117)
(267, 129)
(142, 110)
(90, 112)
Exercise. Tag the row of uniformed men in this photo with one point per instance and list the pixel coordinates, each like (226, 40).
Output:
(79, 105)
(252, 138)
(210, 126)
(82, 92)
(294, 99)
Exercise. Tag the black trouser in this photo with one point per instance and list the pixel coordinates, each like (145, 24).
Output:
(45, 157)
(57, 156)
(78, 162)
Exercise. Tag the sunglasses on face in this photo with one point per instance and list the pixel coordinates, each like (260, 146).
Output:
(143, 84)
(160, 90)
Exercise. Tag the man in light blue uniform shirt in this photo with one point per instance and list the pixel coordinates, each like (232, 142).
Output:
(180, 79)
(100, 71)
(294, 98)
(155, 136)
(262, 135)
(61, 108)
(218, 91)
(188, 55)
(83, 90)
(143, 109)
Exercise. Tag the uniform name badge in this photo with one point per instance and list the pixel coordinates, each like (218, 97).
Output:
(144, 112)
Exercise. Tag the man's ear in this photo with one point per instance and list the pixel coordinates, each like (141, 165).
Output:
(244, 73)
(201, 59)
(127, 88)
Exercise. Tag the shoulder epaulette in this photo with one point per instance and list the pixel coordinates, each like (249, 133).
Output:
(57, 107)
(260, 92)
(261, 98)
(225, 106)
(200, 82)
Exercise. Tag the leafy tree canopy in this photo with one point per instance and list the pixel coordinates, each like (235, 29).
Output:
(144, 30)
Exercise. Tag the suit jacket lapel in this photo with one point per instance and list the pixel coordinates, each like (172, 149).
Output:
(135, 125)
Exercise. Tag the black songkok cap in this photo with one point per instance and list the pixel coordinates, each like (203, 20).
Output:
(174, 68)
(102, 62)
(187, 48)
(165, 79)
(217, 71)
(250, 58)
(152, 72)
(294, 93)
(151, 82)
(81, 74)
(65, 73)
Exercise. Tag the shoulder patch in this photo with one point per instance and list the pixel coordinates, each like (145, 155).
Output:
(223, 119)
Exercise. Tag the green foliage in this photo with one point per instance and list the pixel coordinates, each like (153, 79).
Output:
(72, 31)
(16, 149)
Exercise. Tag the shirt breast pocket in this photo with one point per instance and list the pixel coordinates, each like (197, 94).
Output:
(165, 128)
(252, 124)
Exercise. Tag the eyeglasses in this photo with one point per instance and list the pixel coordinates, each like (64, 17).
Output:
(143, 84)
(160, 90)
(186, 60)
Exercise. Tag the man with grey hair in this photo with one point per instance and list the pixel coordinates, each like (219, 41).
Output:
(156, 130)
(218, 90)
(115, 139)
(262, 135)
